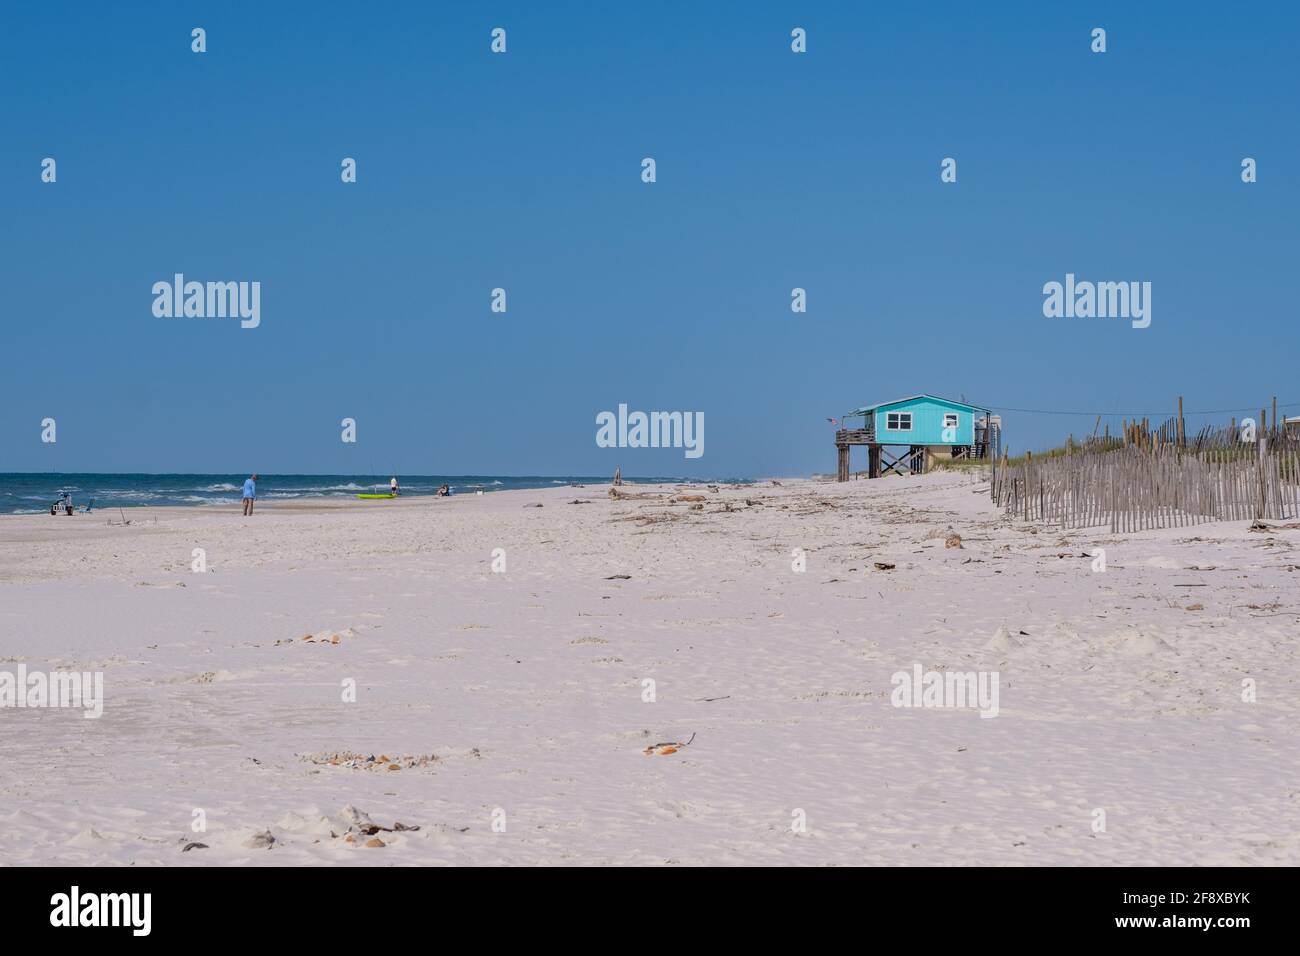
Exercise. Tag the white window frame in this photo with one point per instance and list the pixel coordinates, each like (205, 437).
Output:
(955, 423)
(898, 425)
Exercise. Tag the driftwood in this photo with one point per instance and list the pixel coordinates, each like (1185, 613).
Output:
(630, 495)
(667, 747)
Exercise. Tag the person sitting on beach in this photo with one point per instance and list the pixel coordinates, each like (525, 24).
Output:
(392, 486)
(250, 494)
(64, 503)
(444, 491)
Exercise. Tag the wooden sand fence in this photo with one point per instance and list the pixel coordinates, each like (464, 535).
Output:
(1155, 478)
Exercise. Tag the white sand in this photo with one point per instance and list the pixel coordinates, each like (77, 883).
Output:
(527, 685)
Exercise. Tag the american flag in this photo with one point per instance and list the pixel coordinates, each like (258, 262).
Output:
(832, 421)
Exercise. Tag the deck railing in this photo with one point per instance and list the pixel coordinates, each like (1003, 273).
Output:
(855, 436)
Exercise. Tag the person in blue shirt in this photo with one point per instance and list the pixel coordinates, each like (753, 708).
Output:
(250, 494)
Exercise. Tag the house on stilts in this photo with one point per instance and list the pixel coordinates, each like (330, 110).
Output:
(925, 427)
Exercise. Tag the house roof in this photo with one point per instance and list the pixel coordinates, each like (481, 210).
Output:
(911, 398)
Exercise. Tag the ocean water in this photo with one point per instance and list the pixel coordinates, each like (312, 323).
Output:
(33, 493)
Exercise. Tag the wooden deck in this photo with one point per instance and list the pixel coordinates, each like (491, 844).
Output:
(855, 436)
(845, 438)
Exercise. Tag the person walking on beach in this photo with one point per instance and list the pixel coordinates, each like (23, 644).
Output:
(392, 486)
(250, 494)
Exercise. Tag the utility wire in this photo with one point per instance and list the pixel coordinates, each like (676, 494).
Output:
(1216, 411)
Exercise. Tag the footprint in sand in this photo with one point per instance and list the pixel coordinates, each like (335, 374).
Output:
(1134, 643)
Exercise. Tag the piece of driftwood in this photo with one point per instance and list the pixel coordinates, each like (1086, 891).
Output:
(667, 747)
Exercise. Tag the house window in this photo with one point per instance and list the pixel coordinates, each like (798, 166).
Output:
(898, 421)
(950, 420)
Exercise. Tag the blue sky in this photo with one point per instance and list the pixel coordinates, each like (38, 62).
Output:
(522, 171)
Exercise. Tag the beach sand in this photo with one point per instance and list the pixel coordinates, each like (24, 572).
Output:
(512, 703)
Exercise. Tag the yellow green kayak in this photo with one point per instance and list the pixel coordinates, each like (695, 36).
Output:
(376, 496)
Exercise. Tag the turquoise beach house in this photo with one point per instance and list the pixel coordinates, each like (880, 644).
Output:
(922, 420)
(927, 425)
